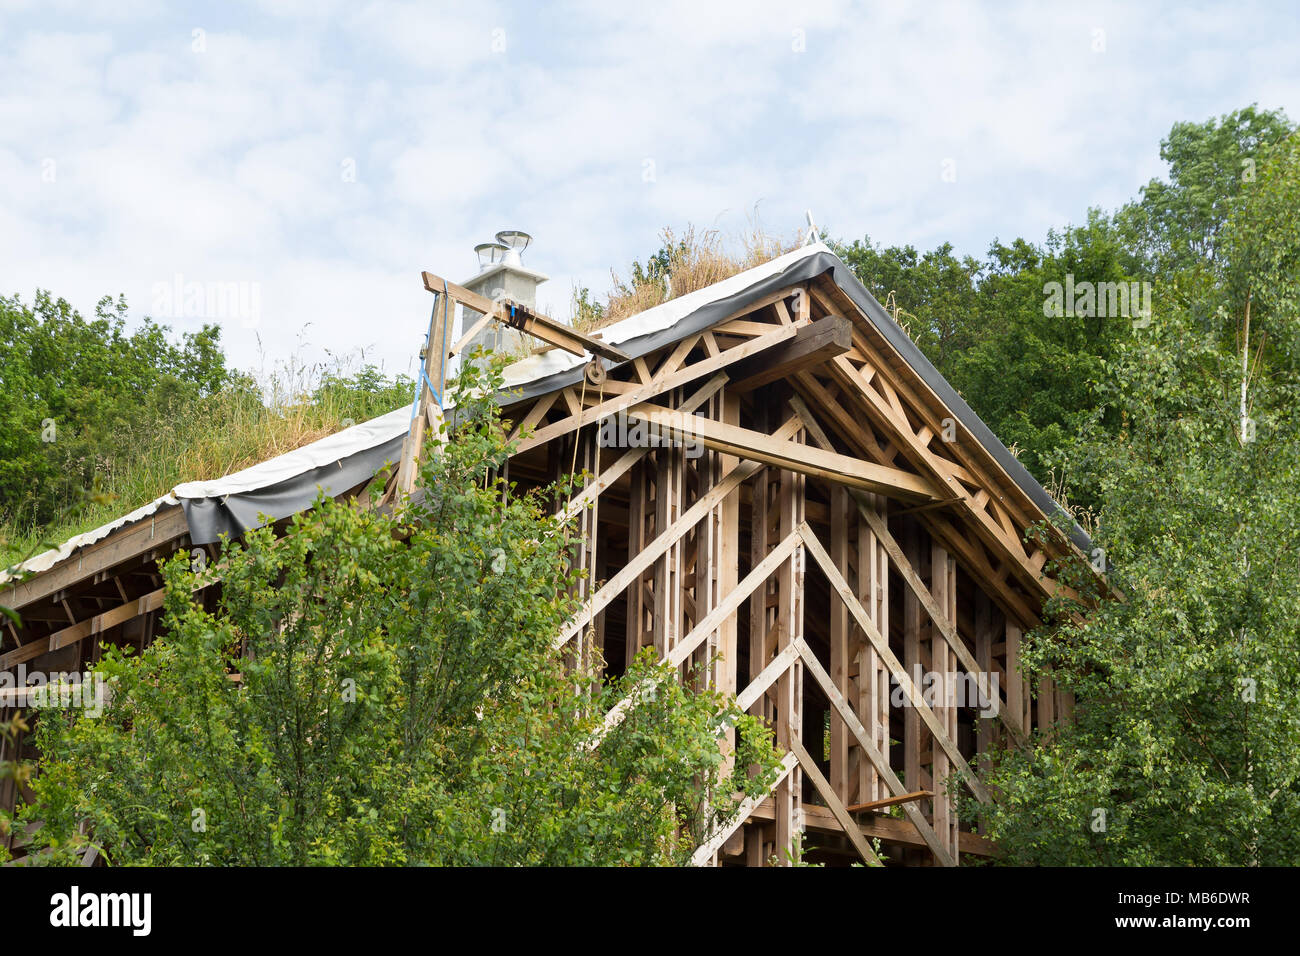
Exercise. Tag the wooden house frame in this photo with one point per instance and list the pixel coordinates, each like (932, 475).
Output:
(782, 495)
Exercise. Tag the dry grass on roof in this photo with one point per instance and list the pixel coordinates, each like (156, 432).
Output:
(251, 421)
(695, 260)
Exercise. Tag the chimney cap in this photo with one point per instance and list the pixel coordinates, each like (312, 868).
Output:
(515, 243)
(514, 239)
(490, 254)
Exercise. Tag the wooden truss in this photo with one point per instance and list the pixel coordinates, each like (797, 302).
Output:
(779, 503)
(784, 475)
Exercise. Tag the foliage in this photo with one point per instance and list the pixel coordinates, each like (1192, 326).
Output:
(1183, 748)
(19, 772)
(467, 741)
(68, 387)
(398, 701)
(1262, 254)
(1189, 690)
(1178, 224)
(365, 394)
(587, 312)
(1030, 375)
(201, 436)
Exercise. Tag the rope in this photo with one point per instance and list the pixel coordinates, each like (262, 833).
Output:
(589, 630)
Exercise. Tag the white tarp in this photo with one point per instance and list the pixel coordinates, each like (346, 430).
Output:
(322, 452)
(48, 559)
(657, 319)
(387, 428)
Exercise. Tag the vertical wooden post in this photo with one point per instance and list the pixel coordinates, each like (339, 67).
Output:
(762, 612)
(1065, 709)
(428, 406)
(725, 573)
(637, 538)
(1046, 702)
(789, 712)
(663, 577)
(942, 662)
(669, 576)
(1017, 686)
(912, 664)
(589, 644)
(841, 514)
(952, 670)
(873, 677)
(984, 612)
(727, 562)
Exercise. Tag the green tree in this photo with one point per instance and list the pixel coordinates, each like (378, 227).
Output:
(1261, 242)
(1178, 223)
(365, 394)
(1029, 373)
(934, 295)
(398, 701)
(69, 386)
(1183, 748)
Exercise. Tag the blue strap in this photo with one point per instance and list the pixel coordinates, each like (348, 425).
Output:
(423, 380)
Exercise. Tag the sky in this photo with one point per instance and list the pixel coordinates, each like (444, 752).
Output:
(290, 167)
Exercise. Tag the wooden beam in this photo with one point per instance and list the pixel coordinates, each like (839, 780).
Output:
(679, 654)
(158, 530)
(468, 337)
(887, 829)
(815, 343)
(726, 572)
(620, 467)
(886, 772)
(791, 456)
(910, 689)
(535, 414)
(526, 320)
(534, 323)
(842, 660)
(833, 803)
(638, 563)
(966, 547)
(710, 846)
(946, 627)
(656, 387)
(80, 631)
(899, 430)
(428, 403)
(767, 676)
(874, 805)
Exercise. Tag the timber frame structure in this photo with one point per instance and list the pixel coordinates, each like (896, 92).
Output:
(780, 493)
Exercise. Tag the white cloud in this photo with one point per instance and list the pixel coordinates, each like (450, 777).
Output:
(228, 164)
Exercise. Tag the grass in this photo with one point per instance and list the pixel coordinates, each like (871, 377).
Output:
(247, 423)
(683, 265)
